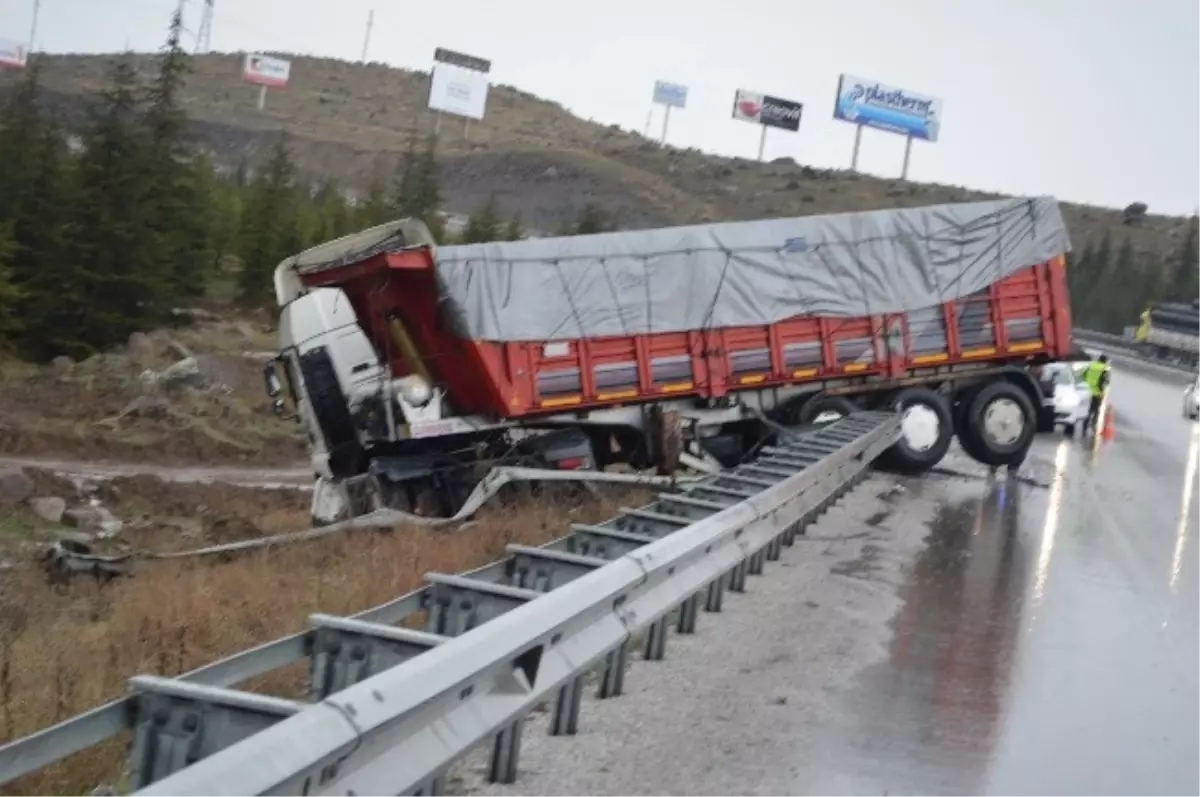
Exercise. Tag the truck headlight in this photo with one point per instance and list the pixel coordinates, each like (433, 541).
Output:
(415, 391)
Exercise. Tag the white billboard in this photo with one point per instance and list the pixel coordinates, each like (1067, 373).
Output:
(462, 92)
(266, 71)
(874, 104)
(13, 54)
(672, 95)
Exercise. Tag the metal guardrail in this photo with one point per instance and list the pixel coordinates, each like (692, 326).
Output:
(390, 709)
(1088, 336)
(1118, 347)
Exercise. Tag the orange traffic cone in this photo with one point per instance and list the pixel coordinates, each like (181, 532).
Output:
(1110, 423)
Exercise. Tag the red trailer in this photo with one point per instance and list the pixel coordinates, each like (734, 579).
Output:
(408, 361)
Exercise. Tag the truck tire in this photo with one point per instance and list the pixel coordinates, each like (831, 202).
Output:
(927, 429)
(999, 425)
(820, 407)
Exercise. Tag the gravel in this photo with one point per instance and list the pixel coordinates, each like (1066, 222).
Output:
(734, 707)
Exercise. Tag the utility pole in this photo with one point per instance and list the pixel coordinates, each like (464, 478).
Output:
(367, 38)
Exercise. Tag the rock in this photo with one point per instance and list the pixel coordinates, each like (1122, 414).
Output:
(190, 527)
(792, 185)
(94, 518)
(178, 349)
(140, 344)
(15, 486)
(145, 407)
(62, 364)
(48, 508)
(550, 173)
(185, 373)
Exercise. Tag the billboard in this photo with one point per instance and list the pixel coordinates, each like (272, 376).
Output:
(874, 104)
(266, 71)
(13, 54)
(672, 95)
(444, 56)
(763, 109)
(457, 90)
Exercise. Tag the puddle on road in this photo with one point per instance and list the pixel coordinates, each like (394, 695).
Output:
(926, 719)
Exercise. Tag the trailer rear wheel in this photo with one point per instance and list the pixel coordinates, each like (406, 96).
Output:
(926, 430)
(826, 409)
(999, 425)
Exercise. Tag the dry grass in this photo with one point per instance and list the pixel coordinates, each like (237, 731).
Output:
(62, 653)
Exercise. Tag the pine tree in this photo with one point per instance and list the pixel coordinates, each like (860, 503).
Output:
(268, 229)
(11, 296)
(513, 231)
(39, 209)
(118, 267)
(374, 208)
(334, 215)
(180, 218)
(592, 220)
(1183, 267)
(484, 224)
(417, 188)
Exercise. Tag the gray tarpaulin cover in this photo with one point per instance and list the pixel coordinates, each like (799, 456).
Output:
(719, 275)
(744, 273)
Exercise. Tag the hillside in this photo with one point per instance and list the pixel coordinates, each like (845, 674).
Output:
(352, 121)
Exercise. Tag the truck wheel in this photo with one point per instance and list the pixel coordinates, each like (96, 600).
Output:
(1068, 430)
(999, 425)
(826, 409)
(926, 430)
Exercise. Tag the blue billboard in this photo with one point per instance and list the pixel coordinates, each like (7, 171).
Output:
(673, 95)
(875, 104)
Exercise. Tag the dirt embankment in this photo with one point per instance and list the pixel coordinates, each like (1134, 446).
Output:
(191, 395)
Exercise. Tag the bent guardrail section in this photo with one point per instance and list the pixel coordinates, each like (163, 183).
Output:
(390, 709)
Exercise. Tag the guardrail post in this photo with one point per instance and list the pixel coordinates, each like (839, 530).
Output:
(566, 708)
(613, 681)
(737, 577)
(756, 562)
(687, 615)
(775, 549)
(716, 595)
(656, 640)
(506, 749)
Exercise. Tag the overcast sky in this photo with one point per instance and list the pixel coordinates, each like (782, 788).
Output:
(1090, 100)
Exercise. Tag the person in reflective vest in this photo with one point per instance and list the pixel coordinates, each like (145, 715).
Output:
(1096, 377)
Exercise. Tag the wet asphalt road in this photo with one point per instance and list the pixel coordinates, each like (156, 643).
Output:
(985, 636)
(1049, 644)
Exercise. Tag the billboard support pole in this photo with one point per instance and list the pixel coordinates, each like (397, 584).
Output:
(262, 96)
(666, 121)
(437, 122)
(762, 142)
(907, 155)
(466, 128)
(857, 145)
